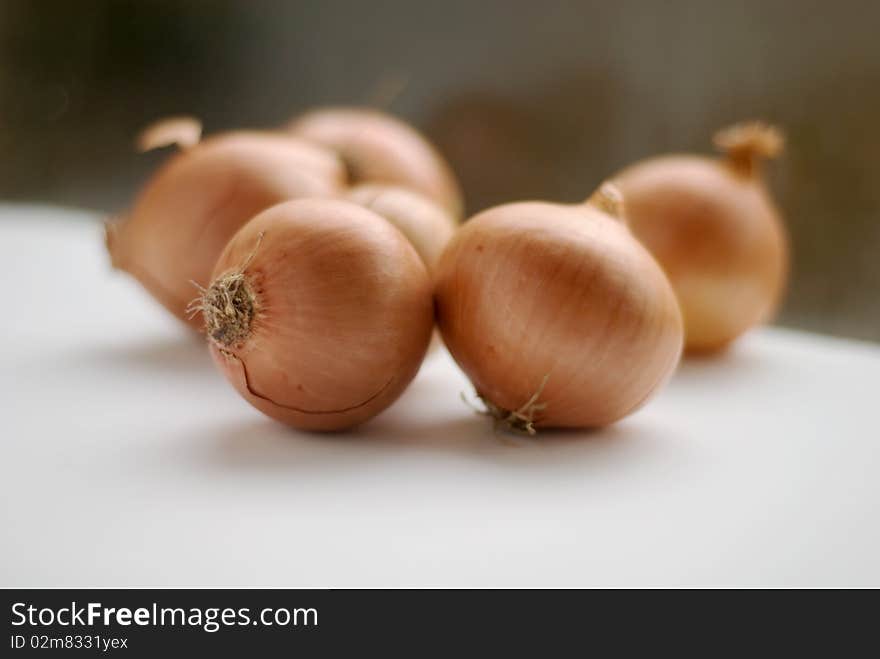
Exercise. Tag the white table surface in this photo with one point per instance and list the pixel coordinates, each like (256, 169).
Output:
(127, 460)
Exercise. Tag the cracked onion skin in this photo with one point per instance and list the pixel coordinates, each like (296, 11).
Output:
(331, 316)
(188, 211)
(379, 148)
(558, 305)
(714, 228)
(428, 226)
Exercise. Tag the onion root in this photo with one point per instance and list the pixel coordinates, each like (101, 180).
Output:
(522, 419)
(228, 305)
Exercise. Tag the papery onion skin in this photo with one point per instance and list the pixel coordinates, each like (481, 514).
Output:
(378, 148)
(560, 301)
(428, 226)
(188, 211)
(182, 131)
(714, 228)
(341, 315)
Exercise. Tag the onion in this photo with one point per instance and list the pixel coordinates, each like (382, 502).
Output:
(427, 226)
(715, 230)
(319, 314)
(377, 148)
(193, 205)
(556, 313)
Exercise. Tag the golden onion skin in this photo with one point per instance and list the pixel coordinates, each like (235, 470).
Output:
(428, 226)
(378, 148)
(341, 319)
(534, 293)
(714, 228)
(188, 211)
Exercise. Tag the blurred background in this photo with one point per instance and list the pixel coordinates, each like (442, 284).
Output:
(526, 99)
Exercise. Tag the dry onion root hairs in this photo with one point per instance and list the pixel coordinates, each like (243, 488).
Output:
(231, 299)
(521, 420)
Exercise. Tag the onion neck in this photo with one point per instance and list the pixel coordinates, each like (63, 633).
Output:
(184, 132)
(608, 199)
(746, 145)
(228, 306)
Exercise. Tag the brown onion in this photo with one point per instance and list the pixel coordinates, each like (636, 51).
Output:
(378, 148)
(319, 314)
(193, 205)
(715, 230)
(427, 226)
(556, 313)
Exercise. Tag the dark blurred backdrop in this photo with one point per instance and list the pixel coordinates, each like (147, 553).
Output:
(527, 99)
